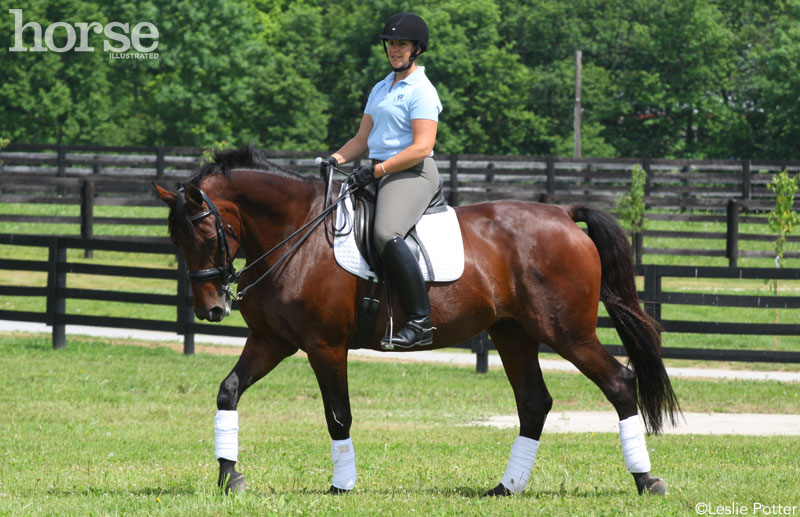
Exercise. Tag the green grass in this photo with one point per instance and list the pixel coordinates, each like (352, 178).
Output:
(102, 428)
(74, 211)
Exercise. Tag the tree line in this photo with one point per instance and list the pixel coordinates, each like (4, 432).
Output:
(676, 79)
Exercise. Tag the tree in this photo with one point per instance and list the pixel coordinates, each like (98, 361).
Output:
(782, 219)
(484, 87)
(631, 208)
(54, 97)
(685, 78)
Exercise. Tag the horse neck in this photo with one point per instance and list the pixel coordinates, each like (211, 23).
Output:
(271, 207)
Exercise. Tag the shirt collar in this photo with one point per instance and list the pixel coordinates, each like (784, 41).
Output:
(416, 76)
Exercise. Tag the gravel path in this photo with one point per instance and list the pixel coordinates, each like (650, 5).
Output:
(437, 356)
(694, 423)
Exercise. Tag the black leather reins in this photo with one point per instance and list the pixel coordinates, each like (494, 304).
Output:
(227, 272)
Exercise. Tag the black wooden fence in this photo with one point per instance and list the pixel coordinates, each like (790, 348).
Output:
(727, 191)
(56, 293)
(671, 184)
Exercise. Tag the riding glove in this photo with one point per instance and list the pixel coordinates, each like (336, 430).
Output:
(363, 176)
(330, 161)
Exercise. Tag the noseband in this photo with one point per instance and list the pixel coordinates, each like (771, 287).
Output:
(225, 272)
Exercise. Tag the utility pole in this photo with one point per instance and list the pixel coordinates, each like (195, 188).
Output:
(576, 129)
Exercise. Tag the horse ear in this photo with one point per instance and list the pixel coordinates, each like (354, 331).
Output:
(165, 195)
(193, 195)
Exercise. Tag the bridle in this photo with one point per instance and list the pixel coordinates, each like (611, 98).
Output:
(226, 271)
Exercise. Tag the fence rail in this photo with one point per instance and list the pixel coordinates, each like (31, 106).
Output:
(91, 176)
(58, 267)
(671, 184)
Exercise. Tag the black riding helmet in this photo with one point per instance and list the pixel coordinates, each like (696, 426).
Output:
(406, 26)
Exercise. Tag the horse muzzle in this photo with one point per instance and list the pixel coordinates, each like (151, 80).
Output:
(221, 307)
(213, 310)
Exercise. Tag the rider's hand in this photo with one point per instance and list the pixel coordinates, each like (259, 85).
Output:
(330, 161)
(363, 176)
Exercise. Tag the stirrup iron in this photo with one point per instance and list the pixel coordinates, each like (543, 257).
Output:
(386, 342)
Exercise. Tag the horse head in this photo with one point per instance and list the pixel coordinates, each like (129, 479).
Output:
(206, 232)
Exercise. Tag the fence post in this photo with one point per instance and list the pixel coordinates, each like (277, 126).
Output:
(747, 188)
(480, 347)
(590, 180)
(490, 176)
(159, 163)
(732, 234)
(61, 161)
(638, 246)
(687, 183)
(646, 165)
(61, 167)
(551, 179)
(652, 291)
(185, 312)
(87, 214)
(56, 281)
(454, 180)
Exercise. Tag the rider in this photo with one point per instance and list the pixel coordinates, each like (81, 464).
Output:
(398, 129)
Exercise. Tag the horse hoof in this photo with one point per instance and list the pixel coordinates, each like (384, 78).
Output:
(337, 491)
(498, 491)
(656, 486)
(236, 484)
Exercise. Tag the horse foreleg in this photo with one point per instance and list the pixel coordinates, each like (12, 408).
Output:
(519, 353)
(330, 367)
(258, 358)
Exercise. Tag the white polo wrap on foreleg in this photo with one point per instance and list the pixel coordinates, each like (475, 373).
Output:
(226, 435)
(520, 464)
(344, 464)
(634, 448)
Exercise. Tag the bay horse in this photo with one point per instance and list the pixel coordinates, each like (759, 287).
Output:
(531, 276)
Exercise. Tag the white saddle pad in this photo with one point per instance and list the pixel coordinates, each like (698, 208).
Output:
(440, 233)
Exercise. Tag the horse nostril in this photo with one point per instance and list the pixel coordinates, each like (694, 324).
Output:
(216, 314)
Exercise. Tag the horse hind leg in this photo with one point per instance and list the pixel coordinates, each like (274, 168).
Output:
(257, 359)
(520, 355)
(618, 384)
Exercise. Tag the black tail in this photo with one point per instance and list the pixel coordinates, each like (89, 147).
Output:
(638, 331)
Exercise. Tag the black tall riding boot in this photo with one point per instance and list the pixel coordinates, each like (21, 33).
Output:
(407, 276)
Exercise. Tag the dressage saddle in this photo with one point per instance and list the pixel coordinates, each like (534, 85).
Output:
(364, 217)
(363, 220)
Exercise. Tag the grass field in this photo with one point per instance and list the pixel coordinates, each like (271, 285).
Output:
(106, 428)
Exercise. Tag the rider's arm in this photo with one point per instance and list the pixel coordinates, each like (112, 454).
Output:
(424, 132)
(356, 146)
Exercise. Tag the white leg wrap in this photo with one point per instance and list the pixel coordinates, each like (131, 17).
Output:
(634, 448)
(523, 456)
(344, 464)
(226, 435)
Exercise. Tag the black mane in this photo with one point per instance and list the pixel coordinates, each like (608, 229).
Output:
(245, 157)
(223, 162)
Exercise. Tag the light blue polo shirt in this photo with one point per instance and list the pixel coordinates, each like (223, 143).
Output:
(393, 109)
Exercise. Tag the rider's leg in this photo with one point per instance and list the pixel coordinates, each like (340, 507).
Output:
(402, 199)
